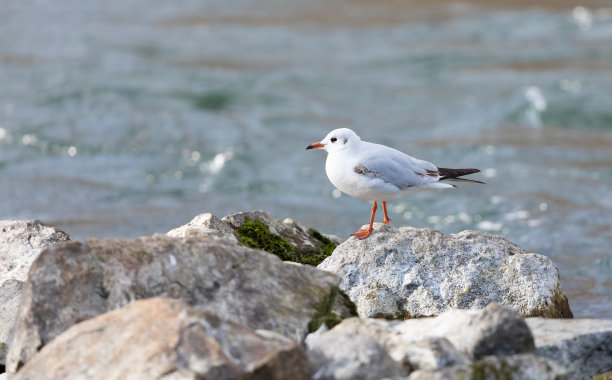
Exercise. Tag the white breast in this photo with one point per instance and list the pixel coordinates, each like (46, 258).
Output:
(338, 169)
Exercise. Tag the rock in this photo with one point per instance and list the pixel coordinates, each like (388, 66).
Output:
(430, 354)
(205, 226)
(288, 239)
(407, 272)
(495, 330)
(601, 376)
(160, 338)
(515, 367)
(338, 356)
(412, 353)
(455, 337)
(583, 345)
(71, 282)
(20, 244)
(10, 295)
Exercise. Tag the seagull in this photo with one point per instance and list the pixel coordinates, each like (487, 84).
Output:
(379, 173)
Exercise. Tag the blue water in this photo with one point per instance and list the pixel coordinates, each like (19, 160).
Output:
(125, 118)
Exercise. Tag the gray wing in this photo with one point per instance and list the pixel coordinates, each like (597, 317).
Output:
(395, 167)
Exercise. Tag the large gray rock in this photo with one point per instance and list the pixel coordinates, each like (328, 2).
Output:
(515, 367)
(71, 282)
(21, 241)
(160, 338)
(336, 356)
(453, 338)
(407, 272)
(288, 239)
(583, 345)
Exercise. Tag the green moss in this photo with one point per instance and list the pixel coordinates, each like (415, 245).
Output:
(327, 246)
(315, 256)
(324, 313)
(482, 370)
(256, 235)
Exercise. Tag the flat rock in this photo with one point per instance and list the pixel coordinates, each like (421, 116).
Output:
(408, 272)
(160, 338)
(515, 367)
(335, 356)
(21, 241)
(71, 282)
(583, 345)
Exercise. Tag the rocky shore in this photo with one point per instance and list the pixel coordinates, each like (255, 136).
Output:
(252, 297)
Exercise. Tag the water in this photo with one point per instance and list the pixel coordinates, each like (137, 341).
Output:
(125, 118)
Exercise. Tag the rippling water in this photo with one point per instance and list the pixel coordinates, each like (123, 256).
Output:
(125, 118)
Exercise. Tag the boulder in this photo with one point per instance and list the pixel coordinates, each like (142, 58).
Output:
(583, 345)
(454, 338)
(71, 282)
(160, 338)
(407, 272)
(288, 239)
(335, 356)
(515, 367)
(21, 241)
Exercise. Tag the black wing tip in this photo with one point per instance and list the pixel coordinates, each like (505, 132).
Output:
(454, 174)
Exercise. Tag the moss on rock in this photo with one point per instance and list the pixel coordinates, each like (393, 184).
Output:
(482, 370)
(315, 255)
(257, 235)
(324, 314)
(324, 310)
(558, 307)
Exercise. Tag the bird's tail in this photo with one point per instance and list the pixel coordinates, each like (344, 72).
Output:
(454, 174)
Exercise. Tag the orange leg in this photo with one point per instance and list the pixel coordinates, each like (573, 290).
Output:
(387, 220)
(362, 234)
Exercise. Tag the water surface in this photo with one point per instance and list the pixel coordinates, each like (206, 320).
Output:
(125, 118)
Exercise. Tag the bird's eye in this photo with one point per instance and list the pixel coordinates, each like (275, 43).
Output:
(333, 139)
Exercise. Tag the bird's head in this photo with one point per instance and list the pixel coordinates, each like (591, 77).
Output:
(337, 140)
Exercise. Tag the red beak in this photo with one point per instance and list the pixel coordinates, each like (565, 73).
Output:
(315, 146)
